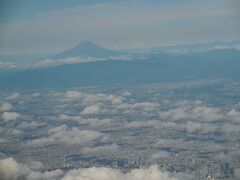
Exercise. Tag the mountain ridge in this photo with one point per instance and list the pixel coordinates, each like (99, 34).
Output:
(87, 49)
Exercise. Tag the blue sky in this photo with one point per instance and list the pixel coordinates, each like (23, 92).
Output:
(43, 26)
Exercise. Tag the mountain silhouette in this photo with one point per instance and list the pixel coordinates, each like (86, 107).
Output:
(88, 49)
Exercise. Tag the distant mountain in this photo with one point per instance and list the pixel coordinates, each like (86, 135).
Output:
(88, 49)
(155, 69)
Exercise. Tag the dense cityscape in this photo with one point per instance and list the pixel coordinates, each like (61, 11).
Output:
(190, 129)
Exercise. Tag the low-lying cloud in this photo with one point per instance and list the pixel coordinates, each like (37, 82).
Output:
(5, 107)
(12, 170)
(65, 135)
(10, 116)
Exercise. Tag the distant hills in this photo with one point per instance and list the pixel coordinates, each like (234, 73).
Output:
(156, 68)
(87, 49)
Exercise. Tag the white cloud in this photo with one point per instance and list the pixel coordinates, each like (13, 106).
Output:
(9, 116)
(101, 149)
(54, 175)
(207, 127)
(37, 94)
(234, 115)
(174, 114)
(48, 62)
(13, 96)
(116, 101)
(73, 95)
(193, 127)
(126, 93)
(70, 60)
(90, 110)
(65, 117)
(12, 170)
(100, 97)
(138, 108)
(146, 106)
(230, 128)
(92, 102)
(94, 173)
(97, 122)
(160, 155)
(5, 107)
(30, 124)
(139, 124)
(207, 113)
(88, 121)
(66, 135)
(194, 111)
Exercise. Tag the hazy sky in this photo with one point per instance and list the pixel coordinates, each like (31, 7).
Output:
(42, 26)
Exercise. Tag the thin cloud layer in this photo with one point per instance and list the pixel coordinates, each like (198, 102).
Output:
(13, 96)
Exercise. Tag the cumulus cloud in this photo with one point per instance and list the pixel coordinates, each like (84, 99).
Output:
(100, 97)
(193, 127)
(116, 100)
(192, 111)
(174, 114)
(230, 128)
(90, 99)
(90, 110)
(30, 124)
(146, 106)
(207, 113)
(88, 121)
(65, 117)
(10, 116)
(13, 96)
(126, 93)
(5, 107)
(160, 155)
(139, 107)
(36, 94)
(66, 135)
(12, 170)
(72, 95)
(235, 115)
(94, 173)
(54, 175)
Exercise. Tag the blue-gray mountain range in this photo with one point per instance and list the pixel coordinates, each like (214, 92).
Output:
(155, 68)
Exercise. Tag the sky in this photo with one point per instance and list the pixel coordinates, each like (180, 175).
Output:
(43, 26)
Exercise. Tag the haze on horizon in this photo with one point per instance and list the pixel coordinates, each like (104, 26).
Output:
(32, 26)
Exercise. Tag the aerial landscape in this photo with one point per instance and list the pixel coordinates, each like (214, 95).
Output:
(113, 90)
